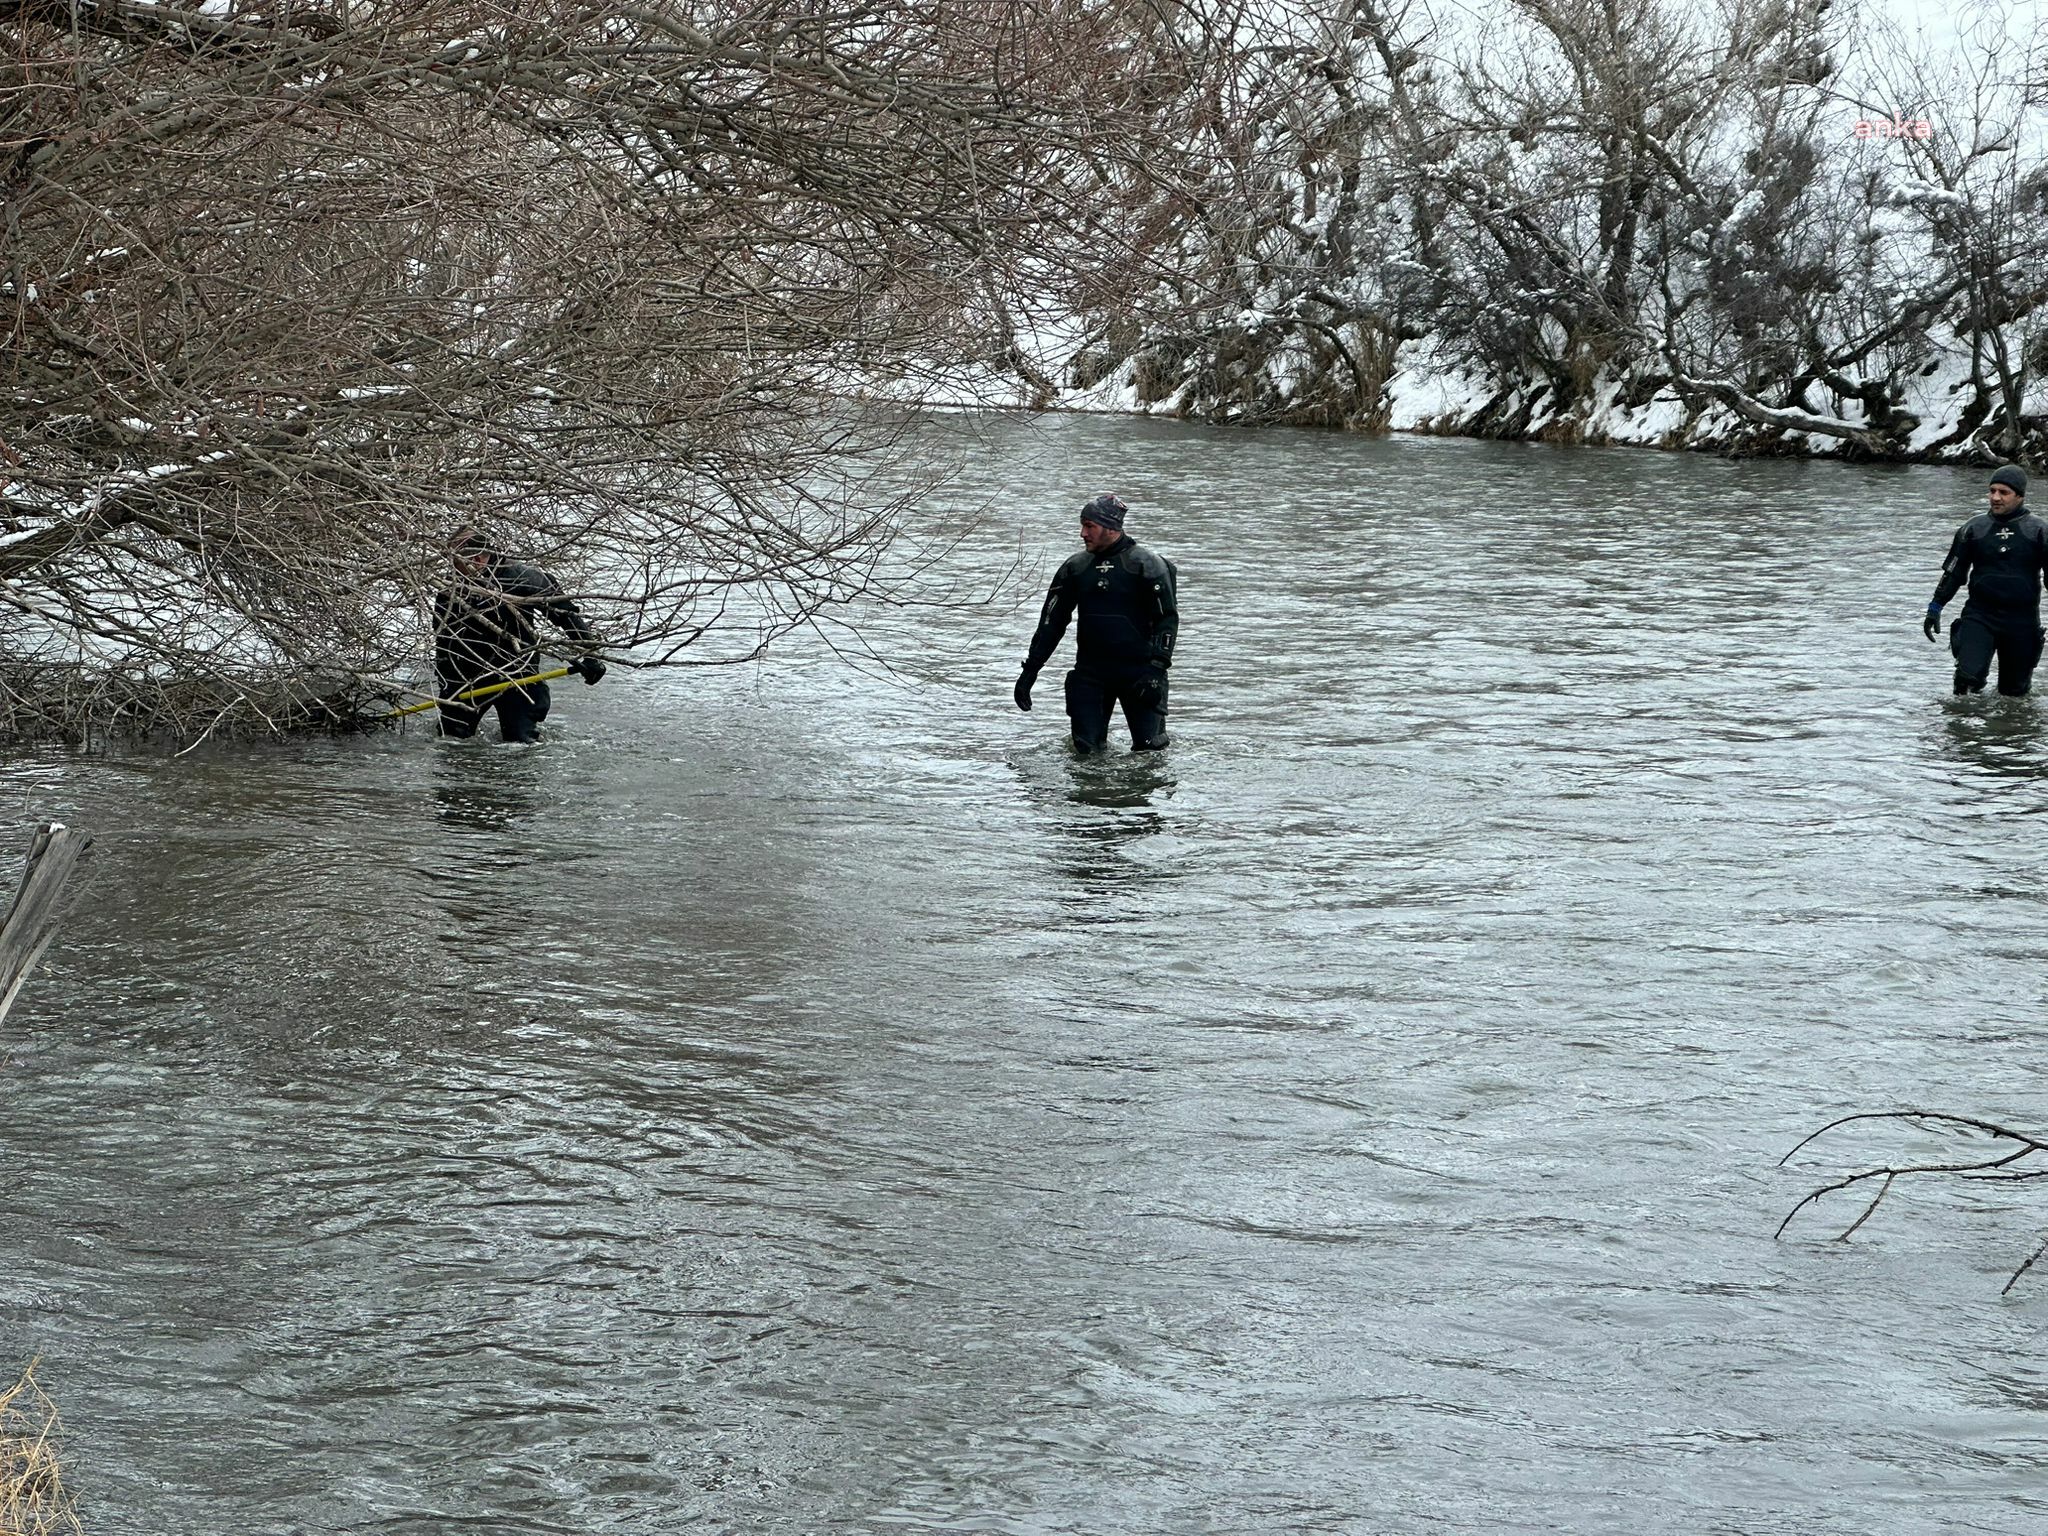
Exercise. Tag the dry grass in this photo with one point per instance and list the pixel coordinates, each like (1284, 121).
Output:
(32, 1497)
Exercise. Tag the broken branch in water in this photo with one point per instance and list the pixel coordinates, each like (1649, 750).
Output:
(2005, 1161)
(32, 921)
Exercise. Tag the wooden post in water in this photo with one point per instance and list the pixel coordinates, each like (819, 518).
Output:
(32, 920)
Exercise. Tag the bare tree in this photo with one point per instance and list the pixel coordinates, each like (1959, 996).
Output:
(1972, 197)
(1596, 203)
(1284, 295)
(294, 287)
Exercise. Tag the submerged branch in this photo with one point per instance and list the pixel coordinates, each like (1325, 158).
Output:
(2010, 1149)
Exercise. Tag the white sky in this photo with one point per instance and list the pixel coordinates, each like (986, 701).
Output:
(1940, 21)
(1971, 56)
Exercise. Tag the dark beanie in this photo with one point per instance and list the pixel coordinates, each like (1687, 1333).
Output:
(1106, 510)
(2011, 475)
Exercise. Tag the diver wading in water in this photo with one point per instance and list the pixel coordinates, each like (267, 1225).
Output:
(2003, 555)
(1124, 594)
(484, 634)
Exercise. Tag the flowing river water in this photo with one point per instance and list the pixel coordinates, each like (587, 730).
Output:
(798, 1100)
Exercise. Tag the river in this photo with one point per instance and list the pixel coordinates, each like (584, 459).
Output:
(804, 1099)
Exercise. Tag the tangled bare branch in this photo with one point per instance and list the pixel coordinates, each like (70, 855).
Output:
(292, 288)
(2010, 1158)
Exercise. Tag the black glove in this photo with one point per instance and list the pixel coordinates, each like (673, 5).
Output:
(591, 668)
(1931, 625)
(1022, 692)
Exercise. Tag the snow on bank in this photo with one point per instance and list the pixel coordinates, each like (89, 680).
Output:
(1427, 393)
(1431, 391)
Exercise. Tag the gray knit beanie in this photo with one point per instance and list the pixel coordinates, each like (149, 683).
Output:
(1107, 510)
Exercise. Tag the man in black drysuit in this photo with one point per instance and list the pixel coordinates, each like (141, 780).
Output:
(2003, 554)
(484, 634)
(1129, 620)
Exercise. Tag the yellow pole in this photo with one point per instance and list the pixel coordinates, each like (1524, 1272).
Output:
(477, 695)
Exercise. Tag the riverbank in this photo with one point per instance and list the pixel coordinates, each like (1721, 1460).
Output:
(1431, 390)
(1463, 401)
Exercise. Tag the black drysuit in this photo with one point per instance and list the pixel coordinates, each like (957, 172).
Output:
(1129, 621)
(2005, 561)
(484, 634)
